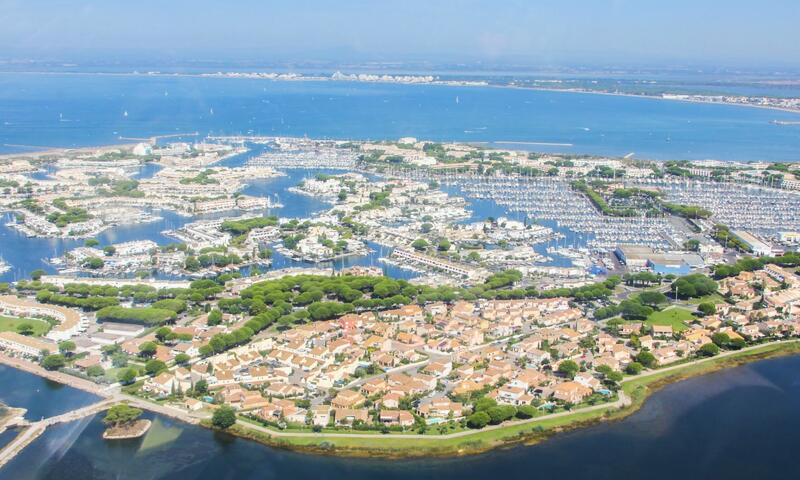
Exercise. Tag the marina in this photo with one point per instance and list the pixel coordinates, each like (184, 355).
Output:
(399, 241)
(766, 211)
(554, 200)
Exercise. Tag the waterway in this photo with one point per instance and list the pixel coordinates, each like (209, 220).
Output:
(737, 423)
(7, 436)
(41, 397)
(25, 254)
(740, 423)
(57, 110)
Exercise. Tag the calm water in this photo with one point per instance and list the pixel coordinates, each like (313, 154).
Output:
(739, 423)
(27, 254)
(41, 397)
(68, 110)
(6, 437)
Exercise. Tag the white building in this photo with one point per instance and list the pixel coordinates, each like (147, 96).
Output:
(70, 323)
(758, 247)
(13, 342)
(143, 149)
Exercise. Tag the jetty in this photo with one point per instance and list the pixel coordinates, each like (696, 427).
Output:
(109, 396)
(32, 430)
(154, 139)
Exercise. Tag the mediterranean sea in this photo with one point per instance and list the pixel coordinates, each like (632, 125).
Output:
(66, 110)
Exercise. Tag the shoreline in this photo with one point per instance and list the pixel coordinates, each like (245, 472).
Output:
(652, 97)
(54, 376)
(465, 83)
(136, 430)
(39, 151)
(634, 392)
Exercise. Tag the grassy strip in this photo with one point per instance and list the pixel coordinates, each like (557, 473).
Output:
(396, 446)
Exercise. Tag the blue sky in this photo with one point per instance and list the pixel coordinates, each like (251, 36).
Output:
(723, 32)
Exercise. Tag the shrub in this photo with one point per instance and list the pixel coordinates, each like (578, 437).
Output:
(53, 362)
(708, 350)
(501, 413)
(526, 411)
(478, 420)
(634, 368)
(223, 417)
(146, 315)
(154, 367)
(707, 308)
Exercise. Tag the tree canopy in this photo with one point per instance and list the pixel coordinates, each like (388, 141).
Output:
(223, 417)
(121, 414)
(694, 285)
(54, 361)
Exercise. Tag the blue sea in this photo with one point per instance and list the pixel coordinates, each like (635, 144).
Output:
(60, 110)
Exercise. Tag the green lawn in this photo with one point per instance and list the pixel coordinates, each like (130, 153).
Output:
(672, 316)
(112, 373)
(40, 327)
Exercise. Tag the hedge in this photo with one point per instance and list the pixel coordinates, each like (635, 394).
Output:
(146, 316)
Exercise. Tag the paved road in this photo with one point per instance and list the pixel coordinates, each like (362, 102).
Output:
(728, 353)
(71, 380)
(79, 413)
(35, 429)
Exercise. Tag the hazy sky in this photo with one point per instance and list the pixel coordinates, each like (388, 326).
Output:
(738, 32)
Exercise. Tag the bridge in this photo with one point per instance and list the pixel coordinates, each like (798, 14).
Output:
(32, 430)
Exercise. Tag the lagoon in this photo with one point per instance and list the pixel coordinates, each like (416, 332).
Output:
(41, 397)
(736, 423)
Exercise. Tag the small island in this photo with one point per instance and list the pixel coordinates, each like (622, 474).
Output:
(123, 423)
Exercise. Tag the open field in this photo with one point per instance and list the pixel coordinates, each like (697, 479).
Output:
(8, 324)
(673, 317)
